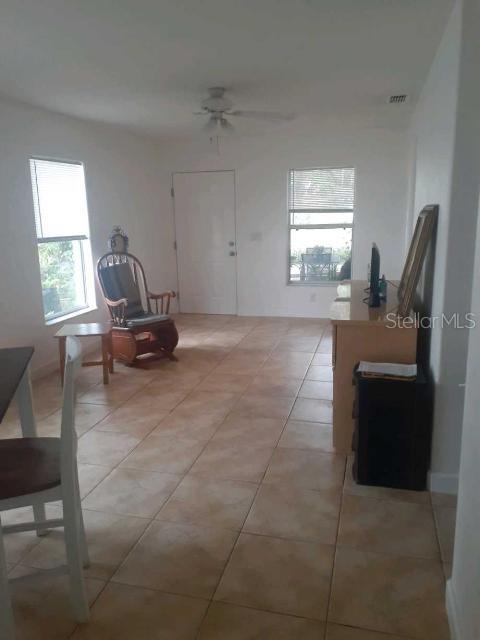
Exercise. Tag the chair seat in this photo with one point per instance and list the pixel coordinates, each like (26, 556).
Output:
(146, 319)
(28, 465)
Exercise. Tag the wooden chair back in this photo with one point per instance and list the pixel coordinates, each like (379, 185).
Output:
(53, 465)
(68, 434)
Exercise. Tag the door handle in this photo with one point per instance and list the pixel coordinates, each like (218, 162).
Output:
(231, 243)
(232, 253)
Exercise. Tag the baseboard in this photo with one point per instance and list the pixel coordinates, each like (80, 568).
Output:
(443, 482)
(454, 618)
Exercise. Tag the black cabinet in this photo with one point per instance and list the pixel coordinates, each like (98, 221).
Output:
(392, 435)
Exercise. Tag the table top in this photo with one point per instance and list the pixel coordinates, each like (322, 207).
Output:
(84, 329)
(349, 306)
(13, 363)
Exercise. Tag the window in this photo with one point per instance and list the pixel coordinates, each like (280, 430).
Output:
(61, 220)
(320, 210)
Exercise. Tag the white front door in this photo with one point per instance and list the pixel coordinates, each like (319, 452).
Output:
(205, 236)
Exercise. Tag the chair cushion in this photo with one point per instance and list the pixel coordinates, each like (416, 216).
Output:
(147, 318)
(28, 465)
(118, 282)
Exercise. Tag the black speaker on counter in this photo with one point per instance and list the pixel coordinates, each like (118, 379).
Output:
(392, 435)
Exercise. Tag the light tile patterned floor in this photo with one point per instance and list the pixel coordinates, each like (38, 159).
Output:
(216, 508)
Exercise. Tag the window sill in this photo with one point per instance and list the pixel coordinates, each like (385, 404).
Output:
(67, 316)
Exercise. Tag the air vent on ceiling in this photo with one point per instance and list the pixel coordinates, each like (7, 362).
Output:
(398, 99)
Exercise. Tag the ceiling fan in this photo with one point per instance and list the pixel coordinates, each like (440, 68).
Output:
(217, 107)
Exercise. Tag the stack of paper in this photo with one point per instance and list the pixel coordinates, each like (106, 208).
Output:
(388, 370)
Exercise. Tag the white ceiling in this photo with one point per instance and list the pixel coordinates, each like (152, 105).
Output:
(146, 64)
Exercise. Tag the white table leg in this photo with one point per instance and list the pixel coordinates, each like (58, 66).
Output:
(29, 430)
(6, 616)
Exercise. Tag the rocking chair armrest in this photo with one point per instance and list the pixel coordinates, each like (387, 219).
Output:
(168, 295)
(116, 303)
(117, 310)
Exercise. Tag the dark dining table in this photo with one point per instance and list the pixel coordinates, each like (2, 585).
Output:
(15, 379)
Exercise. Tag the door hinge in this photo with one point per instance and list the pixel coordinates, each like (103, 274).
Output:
(175, 245)
(172, 192)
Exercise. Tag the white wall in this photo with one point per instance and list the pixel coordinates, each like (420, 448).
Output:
(446, 166)
(123, 188)
(261, 165)
(128, 183)
(434, 137)
(463, 589)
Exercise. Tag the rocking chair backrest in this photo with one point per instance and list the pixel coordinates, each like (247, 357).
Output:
(121, 275)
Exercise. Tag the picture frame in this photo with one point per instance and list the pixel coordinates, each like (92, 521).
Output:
(417, 251)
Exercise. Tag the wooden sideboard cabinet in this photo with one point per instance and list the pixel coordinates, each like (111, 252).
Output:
(363, 333)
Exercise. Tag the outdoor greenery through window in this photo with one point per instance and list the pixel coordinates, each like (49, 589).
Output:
(320, 210)
(61, 220)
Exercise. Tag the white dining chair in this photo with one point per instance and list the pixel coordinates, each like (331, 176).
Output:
(35, 471)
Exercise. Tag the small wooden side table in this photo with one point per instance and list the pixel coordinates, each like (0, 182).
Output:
(88, 329)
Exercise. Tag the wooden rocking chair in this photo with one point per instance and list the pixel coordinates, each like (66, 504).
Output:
(137, 329)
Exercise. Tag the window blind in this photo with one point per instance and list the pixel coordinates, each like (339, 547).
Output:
(59, 199)
(321, 189)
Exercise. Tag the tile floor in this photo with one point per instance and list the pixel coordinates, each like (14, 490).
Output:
(216, 509)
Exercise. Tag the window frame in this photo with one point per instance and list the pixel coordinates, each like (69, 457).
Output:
(349, 225)
(88, 277)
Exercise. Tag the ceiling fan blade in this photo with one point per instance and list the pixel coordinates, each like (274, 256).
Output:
(210, 125)
(272, 116)
(225, 124)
